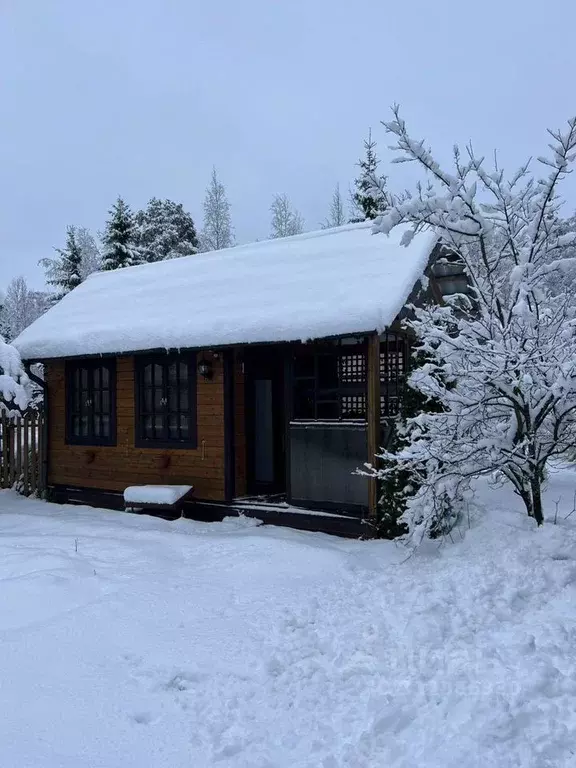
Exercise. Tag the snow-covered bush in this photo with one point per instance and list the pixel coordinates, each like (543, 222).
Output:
(15, 385)
(501, 360)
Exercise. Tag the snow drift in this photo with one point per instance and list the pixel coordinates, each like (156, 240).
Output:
(130, 641)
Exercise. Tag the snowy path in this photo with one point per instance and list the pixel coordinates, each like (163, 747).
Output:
(172, 645)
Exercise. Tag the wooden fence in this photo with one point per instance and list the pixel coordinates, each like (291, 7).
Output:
(22, 452)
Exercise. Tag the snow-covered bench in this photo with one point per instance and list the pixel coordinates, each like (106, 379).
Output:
(157, 498)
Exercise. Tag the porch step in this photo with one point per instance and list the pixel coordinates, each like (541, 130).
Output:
(283, 514)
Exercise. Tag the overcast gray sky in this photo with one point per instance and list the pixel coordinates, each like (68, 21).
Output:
(140, 98)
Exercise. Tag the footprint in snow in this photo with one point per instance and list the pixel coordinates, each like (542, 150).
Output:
(183, 681)
(142, 718)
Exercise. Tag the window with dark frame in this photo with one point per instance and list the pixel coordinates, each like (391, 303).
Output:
(330, 382)
(91, 402)
(166, 401)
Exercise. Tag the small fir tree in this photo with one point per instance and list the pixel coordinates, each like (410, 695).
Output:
(218, 232)
(120, 248)
(336, 216)
(398, 483)
(165, 231)
(285, 220)
(368, 197)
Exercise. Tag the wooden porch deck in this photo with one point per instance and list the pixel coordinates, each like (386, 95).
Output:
(270, 510)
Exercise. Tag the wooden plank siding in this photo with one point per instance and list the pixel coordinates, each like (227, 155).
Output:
(113, 468)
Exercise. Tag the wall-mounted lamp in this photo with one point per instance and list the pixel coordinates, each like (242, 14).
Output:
(205, 368)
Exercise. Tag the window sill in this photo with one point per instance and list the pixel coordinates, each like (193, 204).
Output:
(91, 443)
(166, 445)
(328, 423)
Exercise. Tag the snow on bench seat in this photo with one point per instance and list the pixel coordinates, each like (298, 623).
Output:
(161, 495)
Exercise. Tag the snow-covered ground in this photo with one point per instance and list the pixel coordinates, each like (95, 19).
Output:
(133, 642)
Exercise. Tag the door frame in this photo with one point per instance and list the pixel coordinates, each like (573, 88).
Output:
(275, 357)
(229, 371)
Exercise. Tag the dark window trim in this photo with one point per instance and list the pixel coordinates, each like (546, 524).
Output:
(140, 361)
(90, 364)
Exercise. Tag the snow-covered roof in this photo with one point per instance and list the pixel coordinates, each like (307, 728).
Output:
(327, 283)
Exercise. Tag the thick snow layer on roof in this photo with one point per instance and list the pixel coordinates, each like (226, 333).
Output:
(336, 281)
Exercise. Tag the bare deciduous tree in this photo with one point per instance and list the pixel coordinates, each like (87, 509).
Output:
(336, 217)
(217, 232)
(21, 307)
(285, 220)
(91, 256)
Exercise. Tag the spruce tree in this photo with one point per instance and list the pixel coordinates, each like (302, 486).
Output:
(217, 232)
(65, 271)
(367, 202)
(78, 259)
(120, 233)
(70, 264)
(165, 231)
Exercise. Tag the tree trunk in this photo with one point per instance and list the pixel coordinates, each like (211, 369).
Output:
(536, 491)
(526, 497)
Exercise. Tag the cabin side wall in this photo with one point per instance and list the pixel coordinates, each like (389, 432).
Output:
(113, 468)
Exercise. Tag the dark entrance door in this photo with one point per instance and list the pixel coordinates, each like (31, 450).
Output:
(265, 421)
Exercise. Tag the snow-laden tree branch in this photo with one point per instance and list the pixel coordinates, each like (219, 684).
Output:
(501, 361)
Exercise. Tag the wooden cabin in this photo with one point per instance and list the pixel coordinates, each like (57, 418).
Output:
(263, 375)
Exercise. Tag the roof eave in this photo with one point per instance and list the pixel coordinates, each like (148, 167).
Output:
(171, 350)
